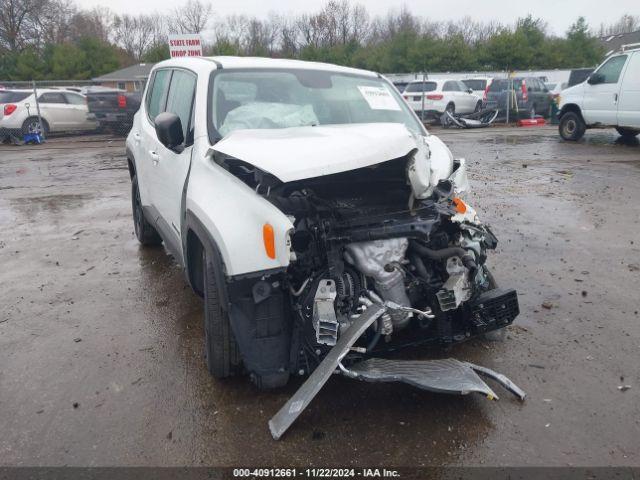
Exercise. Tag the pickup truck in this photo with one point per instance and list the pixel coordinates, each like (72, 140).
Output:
(114, 109)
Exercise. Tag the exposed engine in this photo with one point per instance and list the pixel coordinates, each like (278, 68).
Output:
(362, 238)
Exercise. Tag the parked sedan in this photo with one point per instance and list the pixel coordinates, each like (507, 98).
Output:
(60, 111)
(440, 95)
(525, 96)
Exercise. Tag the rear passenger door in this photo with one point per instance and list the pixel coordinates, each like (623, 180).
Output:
(470, 99)
(55, 110)
(629, 103)
(78, 111)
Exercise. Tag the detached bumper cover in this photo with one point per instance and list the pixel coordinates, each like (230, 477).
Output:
(442, 376)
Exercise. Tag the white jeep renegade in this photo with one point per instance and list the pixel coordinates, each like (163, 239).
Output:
(299, 195)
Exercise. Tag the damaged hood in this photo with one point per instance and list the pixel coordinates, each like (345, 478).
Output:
(305, 152)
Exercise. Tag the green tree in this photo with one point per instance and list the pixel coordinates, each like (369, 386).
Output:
(157, 53)
(99, 57)
(581, 48)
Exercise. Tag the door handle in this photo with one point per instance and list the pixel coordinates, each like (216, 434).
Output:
(154, 156)
(615, 98)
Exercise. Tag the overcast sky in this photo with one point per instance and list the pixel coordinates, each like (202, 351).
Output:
(559, 14)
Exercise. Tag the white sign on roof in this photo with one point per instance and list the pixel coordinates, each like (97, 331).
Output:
(185, 45)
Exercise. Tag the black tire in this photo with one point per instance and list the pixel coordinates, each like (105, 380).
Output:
(571, 127)
(221, 348)
(146, 234)
(478, 106)
(627, 132)
(32, 125)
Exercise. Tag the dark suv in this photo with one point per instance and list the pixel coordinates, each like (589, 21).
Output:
(526, 96)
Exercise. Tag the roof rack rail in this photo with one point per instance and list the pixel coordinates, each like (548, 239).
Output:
(630, 46)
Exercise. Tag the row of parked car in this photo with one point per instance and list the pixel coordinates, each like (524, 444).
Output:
(606, 97)
(525, 96)
(66, 110)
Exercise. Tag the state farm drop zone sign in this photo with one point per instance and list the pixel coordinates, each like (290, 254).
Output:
(185, 45)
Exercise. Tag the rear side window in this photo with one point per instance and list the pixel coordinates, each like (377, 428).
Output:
(74, 99)
(451, 86)
(421, 87)
(52, 98)
(475, 84)
(11, 97)
(157, 95)
(612, 68)
(180, 97)
(503, 84)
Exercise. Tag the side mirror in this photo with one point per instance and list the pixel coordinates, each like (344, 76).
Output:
(595, 79)
(169, 130)
(470, 90)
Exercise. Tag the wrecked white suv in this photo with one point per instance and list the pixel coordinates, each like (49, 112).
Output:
(319, 220)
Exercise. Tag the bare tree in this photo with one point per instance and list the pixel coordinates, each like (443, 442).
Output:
(192, 17)
(54, 21)
(625, 24)
(97, 23)
(137, 33)
(19, 23)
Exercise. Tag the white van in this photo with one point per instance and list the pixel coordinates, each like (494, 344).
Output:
(609, 98)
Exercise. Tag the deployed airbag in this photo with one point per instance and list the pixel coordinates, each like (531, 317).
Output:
(268, 115)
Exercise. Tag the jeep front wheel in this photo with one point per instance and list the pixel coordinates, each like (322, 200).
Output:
(145, 233)
(221, 349)
(571, 127)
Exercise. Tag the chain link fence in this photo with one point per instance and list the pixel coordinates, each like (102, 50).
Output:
(36, 111)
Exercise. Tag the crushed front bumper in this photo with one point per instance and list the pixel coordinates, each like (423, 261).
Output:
(444, 376)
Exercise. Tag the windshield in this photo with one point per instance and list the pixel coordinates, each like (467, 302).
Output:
(421, 87)
(9, 96)
(273, 99)
(475, 84)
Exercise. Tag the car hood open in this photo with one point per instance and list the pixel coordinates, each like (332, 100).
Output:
(305, 152)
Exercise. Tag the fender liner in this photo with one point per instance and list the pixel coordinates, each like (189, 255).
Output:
(193, 223)
(262, 328)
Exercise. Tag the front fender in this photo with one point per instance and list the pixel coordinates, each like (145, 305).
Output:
(234, 216)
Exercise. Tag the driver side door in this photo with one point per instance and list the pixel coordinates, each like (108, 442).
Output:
(167, 169)
(601, 99)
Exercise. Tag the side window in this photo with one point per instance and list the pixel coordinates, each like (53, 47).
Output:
(157, 93)
(52, 97)
(612, 68)
(450, 86)
(180, 97)
(462, 87)
(74, 99)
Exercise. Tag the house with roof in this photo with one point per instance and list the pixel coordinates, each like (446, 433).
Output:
(613, 43)
(131, 79)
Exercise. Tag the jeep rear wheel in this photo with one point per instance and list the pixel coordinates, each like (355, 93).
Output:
(571, 127)
(145, 233)
(221, 348)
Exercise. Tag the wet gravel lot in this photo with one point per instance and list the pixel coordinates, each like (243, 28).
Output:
(101, 341)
